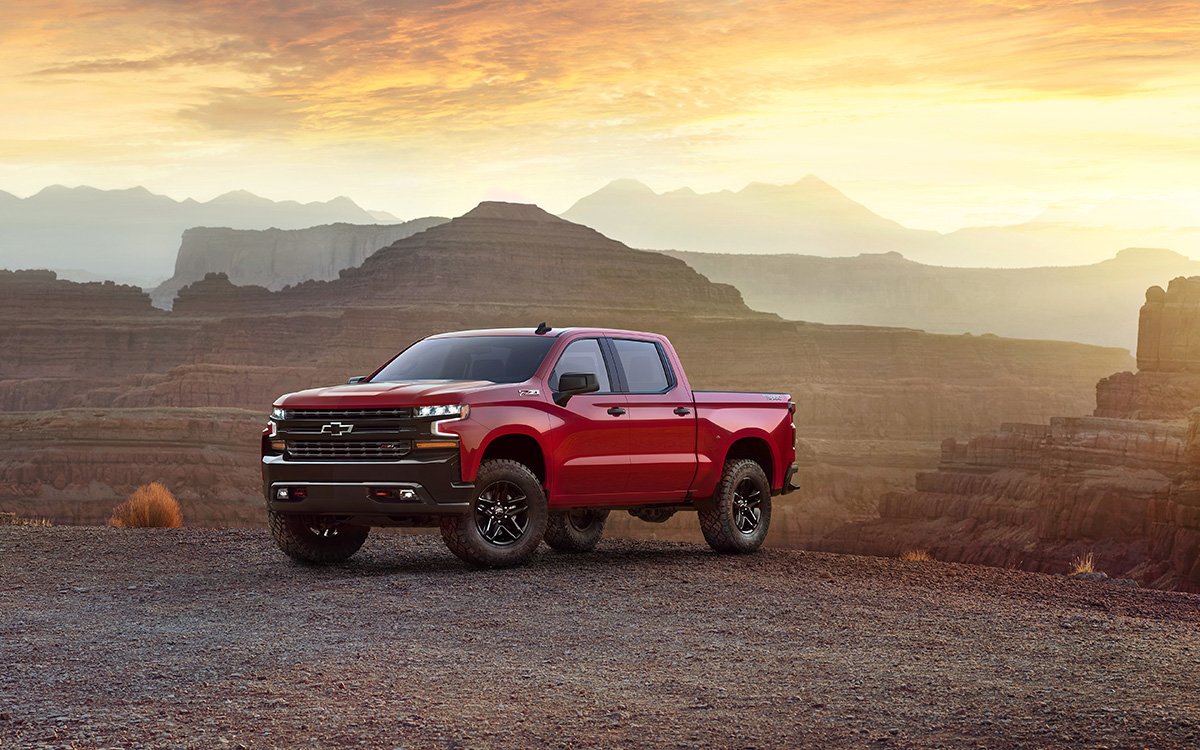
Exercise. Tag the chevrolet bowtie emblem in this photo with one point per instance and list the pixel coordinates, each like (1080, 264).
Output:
(336, 428)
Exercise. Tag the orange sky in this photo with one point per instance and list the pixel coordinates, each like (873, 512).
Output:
(937, 114)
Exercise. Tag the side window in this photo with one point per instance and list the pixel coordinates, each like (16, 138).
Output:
(582, 356)
(643, 366)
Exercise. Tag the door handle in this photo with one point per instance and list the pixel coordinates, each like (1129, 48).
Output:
(682, 411)
(616, 411)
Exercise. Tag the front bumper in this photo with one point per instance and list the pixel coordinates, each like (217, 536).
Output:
(351, 488)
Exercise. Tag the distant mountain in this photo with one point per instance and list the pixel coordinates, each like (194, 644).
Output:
(1092, 304)
(134, 233)
(812, 218)
(808, 216)
(275, 258)
(385, 217)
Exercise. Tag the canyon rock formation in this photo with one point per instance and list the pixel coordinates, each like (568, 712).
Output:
(275, 258)
(1123, 484)
(873, 403)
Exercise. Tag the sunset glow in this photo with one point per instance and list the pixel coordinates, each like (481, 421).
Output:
(937, 114)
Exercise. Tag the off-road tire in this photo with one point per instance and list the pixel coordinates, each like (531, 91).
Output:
(575, 530)
(719, 517)
(466, 540)
(294, 534)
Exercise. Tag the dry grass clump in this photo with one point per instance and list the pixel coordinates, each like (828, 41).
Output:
(1085, 564)
(916, 555)
(12, 519)
(151, 506)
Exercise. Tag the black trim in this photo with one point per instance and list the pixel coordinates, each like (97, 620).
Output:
(787, 480)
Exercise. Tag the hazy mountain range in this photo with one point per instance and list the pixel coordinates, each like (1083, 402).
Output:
(811, 217)
(133, 235)
(1092, 304)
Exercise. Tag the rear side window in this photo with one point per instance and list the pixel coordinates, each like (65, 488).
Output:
(582, 356)
(643, 365)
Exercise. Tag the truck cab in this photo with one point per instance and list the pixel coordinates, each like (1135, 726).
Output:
(504, 438)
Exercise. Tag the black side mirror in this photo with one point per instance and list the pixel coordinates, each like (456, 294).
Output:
(356, 379)
(573, 384)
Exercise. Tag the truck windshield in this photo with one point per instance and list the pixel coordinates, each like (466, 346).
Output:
(500, 359)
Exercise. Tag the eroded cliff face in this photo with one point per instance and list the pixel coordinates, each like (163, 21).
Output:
(275, 258)
(1124, 484)
(873, 403)
(1167, 382)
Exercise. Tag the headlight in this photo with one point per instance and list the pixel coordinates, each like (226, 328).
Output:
(277, 412)
(457, 411)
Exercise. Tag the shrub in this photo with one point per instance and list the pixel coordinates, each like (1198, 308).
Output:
(1085, 564)
(916, 555)
(150, 506)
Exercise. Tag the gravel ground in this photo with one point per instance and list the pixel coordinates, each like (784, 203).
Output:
(212, 639)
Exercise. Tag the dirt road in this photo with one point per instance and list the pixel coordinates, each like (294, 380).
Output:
(212, 639)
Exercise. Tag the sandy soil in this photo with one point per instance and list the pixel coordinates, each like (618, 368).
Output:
(212, 639)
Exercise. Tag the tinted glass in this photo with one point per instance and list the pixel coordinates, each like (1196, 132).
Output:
(500, 359)
(582, 356)
(642, 365)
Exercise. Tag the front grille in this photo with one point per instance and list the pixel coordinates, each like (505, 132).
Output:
(347, 450)
(348, 413)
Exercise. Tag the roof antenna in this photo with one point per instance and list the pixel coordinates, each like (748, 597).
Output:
(542, 328)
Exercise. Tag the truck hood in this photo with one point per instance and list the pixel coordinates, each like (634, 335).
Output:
(378, 394)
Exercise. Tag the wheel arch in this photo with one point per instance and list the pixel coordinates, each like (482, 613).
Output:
(756, 447)
(521, 447)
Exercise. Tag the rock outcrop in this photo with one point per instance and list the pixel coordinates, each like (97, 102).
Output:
(275, 258)
(1167, 383)
(1123, 485)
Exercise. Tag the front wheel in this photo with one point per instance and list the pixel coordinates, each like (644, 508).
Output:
(577, 530)
(736, 520)
(315, 539)
(507, 519)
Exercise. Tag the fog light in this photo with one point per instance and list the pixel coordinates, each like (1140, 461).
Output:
(283, 493)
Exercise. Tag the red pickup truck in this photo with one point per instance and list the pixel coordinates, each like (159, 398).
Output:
(505, 438)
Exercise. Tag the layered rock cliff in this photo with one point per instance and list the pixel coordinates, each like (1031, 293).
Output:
(275, 258)
(1123, 485)
(1167, 382)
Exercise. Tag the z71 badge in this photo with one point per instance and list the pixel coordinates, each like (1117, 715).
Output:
(529, 392)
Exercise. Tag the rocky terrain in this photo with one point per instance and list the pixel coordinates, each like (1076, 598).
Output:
(873, 403)
(1122, 485)
(1093, 304)
(212, 639)
(275, 258)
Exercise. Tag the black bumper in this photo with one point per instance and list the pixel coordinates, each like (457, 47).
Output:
(787, 480)
(353, 488)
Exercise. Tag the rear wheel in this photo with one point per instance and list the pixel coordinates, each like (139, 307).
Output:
(577, 530)
(315, 539)
(737, 519)
(507, 519)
